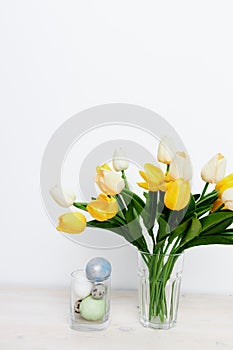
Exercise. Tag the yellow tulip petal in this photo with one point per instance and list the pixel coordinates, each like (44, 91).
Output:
(177, 195)
(103, 167)
(143, 175)
(143, 185)
(96, 212)
(163, 187)
(73, 222)
(154, 178)
(225, 183)
(103, 207)
(153, 173)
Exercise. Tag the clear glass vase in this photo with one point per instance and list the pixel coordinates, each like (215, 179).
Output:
(89, 302)
(159, 278)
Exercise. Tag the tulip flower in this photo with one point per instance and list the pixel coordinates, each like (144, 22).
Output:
(224, 184)
(72, 222)
(180, 167)
(120, 162)
(165, 150)
(214, 170)
(62, 197)
(103, 207)
(108, 181)
(177, 195)
(227, 198)
(154, 178)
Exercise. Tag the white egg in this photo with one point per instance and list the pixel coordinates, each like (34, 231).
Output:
(82, 286)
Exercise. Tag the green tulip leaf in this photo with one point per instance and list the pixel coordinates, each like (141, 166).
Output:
(203, 210)
(216, 222)
(196, 196)
(163, 231)
(179, 230)
(145, 194)
(209, 199)
(80, 205)
(208, 239)
(151, 208)
(190, 209)
(110, 225)
(193, 231)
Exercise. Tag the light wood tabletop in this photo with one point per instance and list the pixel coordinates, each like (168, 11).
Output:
(37, 319)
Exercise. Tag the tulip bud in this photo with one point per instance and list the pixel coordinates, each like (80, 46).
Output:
(165, 150)
(120, 162)
(73, 222)
(180, 167)
(62, 197)
(108, 181)
(214, 170)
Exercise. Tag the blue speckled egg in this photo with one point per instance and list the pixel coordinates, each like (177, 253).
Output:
(98, 269)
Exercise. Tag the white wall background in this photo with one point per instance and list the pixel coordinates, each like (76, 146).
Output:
(60, 57)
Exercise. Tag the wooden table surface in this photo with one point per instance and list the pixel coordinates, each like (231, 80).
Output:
(37, 319)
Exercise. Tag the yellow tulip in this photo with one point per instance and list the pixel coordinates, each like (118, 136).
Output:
(214, 170)
(165, 150)
(177, 195)
(103, 207)
(72, 222)
(224, 184)
(180, 167)
(108, 181)
(154, 178)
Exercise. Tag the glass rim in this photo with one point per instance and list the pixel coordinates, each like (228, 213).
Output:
(160, 254)
(72, 274)
(75, 272)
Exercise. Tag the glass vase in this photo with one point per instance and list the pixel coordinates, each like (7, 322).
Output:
(159, 278)
(89, 302)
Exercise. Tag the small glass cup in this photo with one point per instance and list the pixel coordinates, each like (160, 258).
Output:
(89, 302)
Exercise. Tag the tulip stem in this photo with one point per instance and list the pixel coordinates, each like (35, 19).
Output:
(204, 190)
(125, 179)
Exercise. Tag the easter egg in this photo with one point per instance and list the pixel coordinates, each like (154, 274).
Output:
(77, 306)
(98, 291)
(92, 309)
(98, 269)
(81, 285)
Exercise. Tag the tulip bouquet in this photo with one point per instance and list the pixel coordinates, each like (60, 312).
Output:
(166, 220)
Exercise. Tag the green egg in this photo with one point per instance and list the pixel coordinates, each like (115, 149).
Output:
(92, 309)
